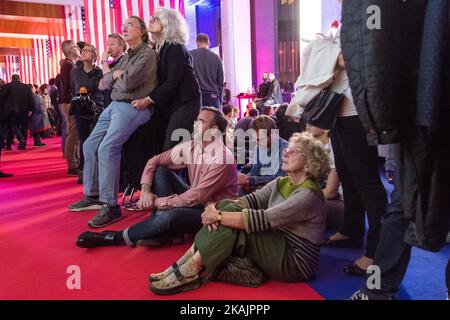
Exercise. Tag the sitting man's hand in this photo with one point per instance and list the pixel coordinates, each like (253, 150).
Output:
(142, 104)
(147, 200)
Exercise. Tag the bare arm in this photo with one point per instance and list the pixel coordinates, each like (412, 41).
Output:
(332, 186)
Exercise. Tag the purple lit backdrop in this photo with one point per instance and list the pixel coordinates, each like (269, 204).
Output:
(331, 10)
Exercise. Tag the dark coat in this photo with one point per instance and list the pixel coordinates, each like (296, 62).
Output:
(383, 67)
(39, 121)
(18, 97)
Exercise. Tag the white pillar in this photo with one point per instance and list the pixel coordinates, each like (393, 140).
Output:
(310, 20)
(236, 44)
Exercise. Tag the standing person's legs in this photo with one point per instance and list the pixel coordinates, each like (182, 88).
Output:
(124, 121)
(353, 225)
(72, 140)
(90, 155)
(210, 100)
(37, 138)
(2, 139)
(393, 254)
(83, 129)
(63, 127)
(447, 279)
(362, 167)
(181, 118)
(13, 129)
(22, 120)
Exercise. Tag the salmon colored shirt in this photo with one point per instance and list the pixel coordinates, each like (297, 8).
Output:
(212, 173)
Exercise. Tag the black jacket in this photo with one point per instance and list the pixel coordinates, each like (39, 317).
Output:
(382, 64)
(383, 68)
(178, 84)
(17, 98)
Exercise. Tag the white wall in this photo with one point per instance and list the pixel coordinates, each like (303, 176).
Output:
(310, 20)
(236, 41)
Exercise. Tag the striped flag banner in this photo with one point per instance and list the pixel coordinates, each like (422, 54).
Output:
(47, 53)
(74, 23)
(103, 17)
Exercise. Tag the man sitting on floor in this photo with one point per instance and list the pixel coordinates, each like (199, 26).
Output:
(178, 208)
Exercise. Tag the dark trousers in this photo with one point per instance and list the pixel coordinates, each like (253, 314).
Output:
(16, 125)
(181, 118)
(22, 122)
(59, 120)
(357, 167)
(2, 138)
(210, 100)
(393, 254)
(37, 138)
(169, 222)
(84, 128)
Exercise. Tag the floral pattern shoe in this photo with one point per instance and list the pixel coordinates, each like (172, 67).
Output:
(160, 276)
(176, 283)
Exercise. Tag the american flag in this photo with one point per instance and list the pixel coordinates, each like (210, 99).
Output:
(3, 73)
(47, 54)
(74, 23)
(48, 48)
(18, 66)
(103, 17)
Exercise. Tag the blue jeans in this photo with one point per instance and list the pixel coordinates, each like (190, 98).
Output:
(170, 222)
(102, 150)
(210, 100)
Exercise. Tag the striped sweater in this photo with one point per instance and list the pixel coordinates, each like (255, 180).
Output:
(298, 212)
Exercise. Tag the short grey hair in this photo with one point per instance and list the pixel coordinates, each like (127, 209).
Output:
(175, 28)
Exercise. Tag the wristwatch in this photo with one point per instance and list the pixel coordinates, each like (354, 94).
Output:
(103, 62)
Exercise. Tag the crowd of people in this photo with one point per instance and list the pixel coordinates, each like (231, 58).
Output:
(262, 188)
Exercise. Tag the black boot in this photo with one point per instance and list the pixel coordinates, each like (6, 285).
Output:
(91, 240)
(37, 140)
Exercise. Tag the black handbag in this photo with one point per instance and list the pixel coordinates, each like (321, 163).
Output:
(322, 110)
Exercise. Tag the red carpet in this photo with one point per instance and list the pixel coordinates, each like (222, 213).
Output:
(37, 243)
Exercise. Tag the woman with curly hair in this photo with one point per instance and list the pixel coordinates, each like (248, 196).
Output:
(278, 228)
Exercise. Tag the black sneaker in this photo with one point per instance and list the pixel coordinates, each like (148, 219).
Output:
(86, 204)
(105, 217)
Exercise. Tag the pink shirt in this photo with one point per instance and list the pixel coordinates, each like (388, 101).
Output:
(212, 173)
